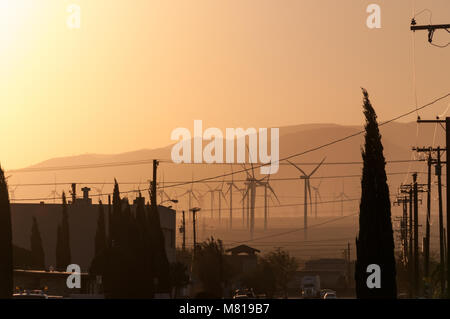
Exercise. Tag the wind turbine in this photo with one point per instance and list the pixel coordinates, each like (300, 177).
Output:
(162, 192)
(219, 190)
(230, 191)
(54, 193)
(12, 192)
(252, 183)
(191, 194)
(100, 191)
(342, 195)
(306, 178)
(316, 194)
(267, 187)
(211, 191)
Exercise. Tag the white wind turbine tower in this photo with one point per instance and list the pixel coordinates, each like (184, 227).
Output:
(342, 195)
(230, 191)
(219, 190)
(211, 191)
(243, 193)
(252, 183)
(306, 178)
(316, 194)
(267, 187)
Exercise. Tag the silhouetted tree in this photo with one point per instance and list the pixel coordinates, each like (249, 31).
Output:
(261, 279)
(283, 267)
(375, 242)
(63, 252)
(211, 268)
(37, 251)
(6, 248)
(135, 262)
(100, 235)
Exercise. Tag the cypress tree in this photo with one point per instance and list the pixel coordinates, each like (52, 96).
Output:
(37, 251)
(65, 233)
(100, 235)
(6, 250)
(63, 253)
(375, 242)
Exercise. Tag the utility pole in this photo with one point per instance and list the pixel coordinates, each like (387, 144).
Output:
(416, 237)
(430, 28)
(408, 189)
(447, 141)
(194, 215)
(441, 223)
(183, 230)
(404, 200)
(429, 160)
(153, 184)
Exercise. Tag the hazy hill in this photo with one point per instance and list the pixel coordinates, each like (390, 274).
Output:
(397, 140)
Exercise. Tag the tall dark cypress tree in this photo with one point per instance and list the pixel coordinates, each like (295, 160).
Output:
(63, 253)
(37, 251)
(6, 254)
(100, 235)
(375, 242)
(65, 233)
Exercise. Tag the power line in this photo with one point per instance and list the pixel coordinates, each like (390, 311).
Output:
(258, 165)
(293, 230)
(211, 181)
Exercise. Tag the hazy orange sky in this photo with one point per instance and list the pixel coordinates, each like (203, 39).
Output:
(138, 69)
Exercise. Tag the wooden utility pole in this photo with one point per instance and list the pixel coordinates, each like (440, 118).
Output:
(416, 236)
(447, 141)
(153, 184)
(194, 217)
(429, 159)
(183, 230)
(430, 28)
(438, 171)
(404, 200)
(408, 189)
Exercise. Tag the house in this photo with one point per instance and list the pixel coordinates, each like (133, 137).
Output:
(242, 258)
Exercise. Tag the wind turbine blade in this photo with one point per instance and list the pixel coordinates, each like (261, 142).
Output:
(318, 194)
(273, 192)
(310, 197)
(317, 167)
(301, 171)
(245, 194)
(186, 192)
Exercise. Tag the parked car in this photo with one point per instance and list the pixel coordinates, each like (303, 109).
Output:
(323, 292)
(330, 295)
(30, 294)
